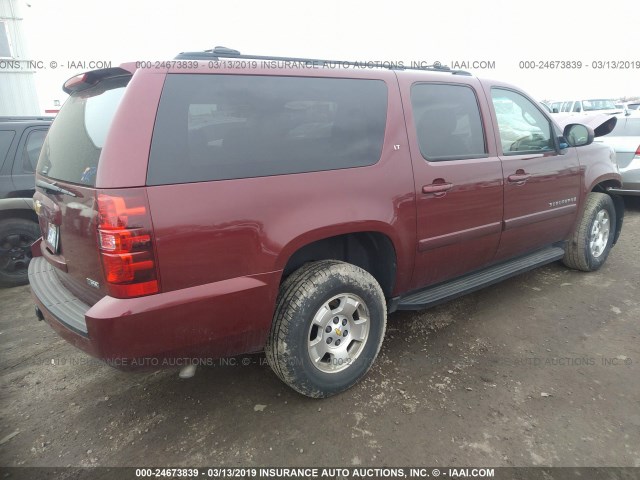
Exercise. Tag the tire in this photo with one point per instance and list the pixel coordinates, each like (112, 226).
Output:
(309, 303)
(593, 237)
(16, 237)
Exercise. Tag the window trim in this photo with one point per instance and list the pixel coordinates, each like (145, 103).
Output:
(552, 125)
(449, 158)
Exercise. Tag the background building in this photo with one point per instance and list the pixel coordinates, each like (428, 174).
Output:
(18, 94)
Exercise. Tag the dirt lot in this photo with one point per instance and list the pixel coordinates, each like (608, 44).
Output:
(543, 369)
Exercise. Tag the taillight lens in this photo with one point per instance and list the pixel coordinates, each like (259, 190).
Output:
(125, 239)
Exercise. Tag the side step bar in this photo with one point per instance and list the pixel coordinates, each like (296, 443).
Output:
(437, 294)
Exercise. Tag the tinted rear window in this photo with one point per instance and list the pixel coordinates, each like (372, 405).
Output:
(447, 121)
(72, 148)
(217, 127)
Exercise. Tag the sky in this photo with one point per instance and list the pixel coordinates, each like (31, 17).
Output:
(506, 33)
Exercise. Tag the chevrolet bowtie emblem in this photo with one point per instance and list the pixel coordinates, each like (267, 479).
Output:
(37, 206)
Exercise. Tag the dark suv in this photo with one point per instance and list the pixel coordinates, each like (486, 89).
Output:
(21, 139)
(220, 204)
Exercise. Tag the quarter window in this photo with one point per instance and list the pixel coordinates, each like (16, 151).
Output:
(219, 127)
(447, 122)
(522, 126)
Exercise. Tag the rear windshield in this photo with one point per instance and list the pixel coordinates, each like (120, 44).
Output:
(72, 148)
(217, 127)
(626, 127)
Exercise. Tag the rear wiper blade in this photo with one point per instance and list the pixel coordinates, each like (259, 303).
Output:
(52, 187)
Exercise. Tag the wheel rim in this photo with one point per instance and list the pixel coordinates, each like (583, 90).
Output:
(338, 333)
(599, 237)
(15, 253)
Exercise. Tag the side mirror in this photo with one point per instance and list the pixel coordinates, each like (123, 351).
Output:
(578, 135)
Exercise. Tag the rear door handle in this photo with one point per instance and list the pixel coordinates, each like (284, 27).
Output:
(437, 187)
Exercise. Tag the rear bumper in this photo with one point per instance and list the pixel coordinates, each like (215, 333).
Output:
(630, 178)
(215, 320)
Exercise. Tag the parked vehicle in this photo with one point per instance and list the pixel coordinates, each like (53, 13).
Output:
(625, 140)
(20, 143)
(593, 105)
(222, 204)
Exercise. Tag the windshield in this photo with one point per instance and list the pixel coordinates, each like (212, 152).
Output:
(72, 148)
(598, 104)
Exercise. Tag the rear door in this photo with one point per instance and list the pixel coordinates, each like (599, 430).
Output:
(541, 182)
(65, 196)
(457, 173)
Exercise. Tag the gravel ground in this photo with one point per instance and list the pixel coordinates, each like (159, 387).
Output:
(542, 369)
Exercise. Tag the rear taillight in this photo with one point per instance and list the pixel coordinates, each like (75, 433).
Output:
(125, 239)
(638, 151)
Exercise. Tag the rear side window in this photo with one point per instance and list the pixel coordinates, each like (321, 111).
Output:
(72, 148)
(447, 121)
(6, 136)
(218, 127)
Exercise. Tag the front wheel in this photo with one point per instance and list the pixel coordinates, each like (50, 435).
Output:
(593, 237)
(327, 329)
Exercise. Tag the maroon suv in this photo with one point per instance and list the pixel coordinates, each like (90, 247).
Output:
(220, 204)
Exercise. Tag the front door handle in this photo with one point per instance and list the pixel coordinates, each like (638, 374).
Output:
(439, 187)
(519, 177)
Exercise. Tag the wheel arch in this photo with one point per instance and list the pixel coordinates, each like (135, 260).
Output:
(9, 212)
(371, 249)
(618, 202)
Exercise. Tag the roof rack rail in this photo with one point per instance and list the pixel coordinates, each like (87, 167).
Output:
(24, 119)
(224, 52)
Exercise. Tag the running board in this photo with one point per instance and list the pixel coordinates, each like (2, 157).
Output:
(434, 295)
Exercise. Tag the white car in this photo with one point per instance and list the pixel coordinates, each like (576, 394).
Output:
(625, 140)
(590, 106)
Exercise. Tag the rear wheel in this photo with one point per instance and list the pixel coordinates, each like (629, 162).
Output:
(328, 326)
(16, 237)
(593, 237)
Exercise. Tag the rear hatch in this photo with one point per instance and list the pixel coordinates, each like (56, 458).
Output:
(98, 240)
